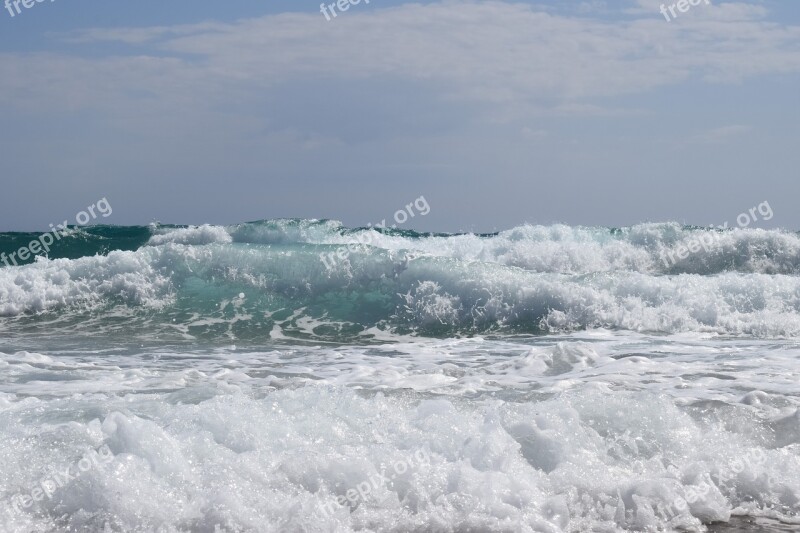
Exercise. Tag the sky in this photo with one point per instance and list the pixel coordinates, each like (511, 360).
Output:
(597, 113)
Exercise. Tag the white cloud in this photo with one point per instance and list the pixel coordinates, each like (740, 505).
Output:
(512, 57)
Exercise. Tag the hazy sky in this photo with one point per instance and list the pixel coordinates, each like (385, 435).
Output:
(499, 113)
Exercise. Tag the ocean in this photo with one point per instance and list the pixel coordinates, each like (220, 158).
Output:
(301, 376)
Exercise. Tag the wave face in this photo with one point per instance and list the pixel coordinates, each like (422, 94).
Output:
(317, 280)
(72, 242)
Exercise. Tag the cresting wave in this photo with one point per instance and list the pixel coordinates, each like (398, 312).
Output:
(253, 280)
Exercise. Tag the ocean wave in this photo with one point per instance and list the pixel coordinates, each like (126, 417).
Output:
(656, 249)
(292, 289)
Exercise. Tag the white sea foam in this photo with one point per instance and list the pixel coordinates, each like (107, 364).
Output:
(197, 235)
(646, 248)
(128, 277)
(425, 293)
(544, 434)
